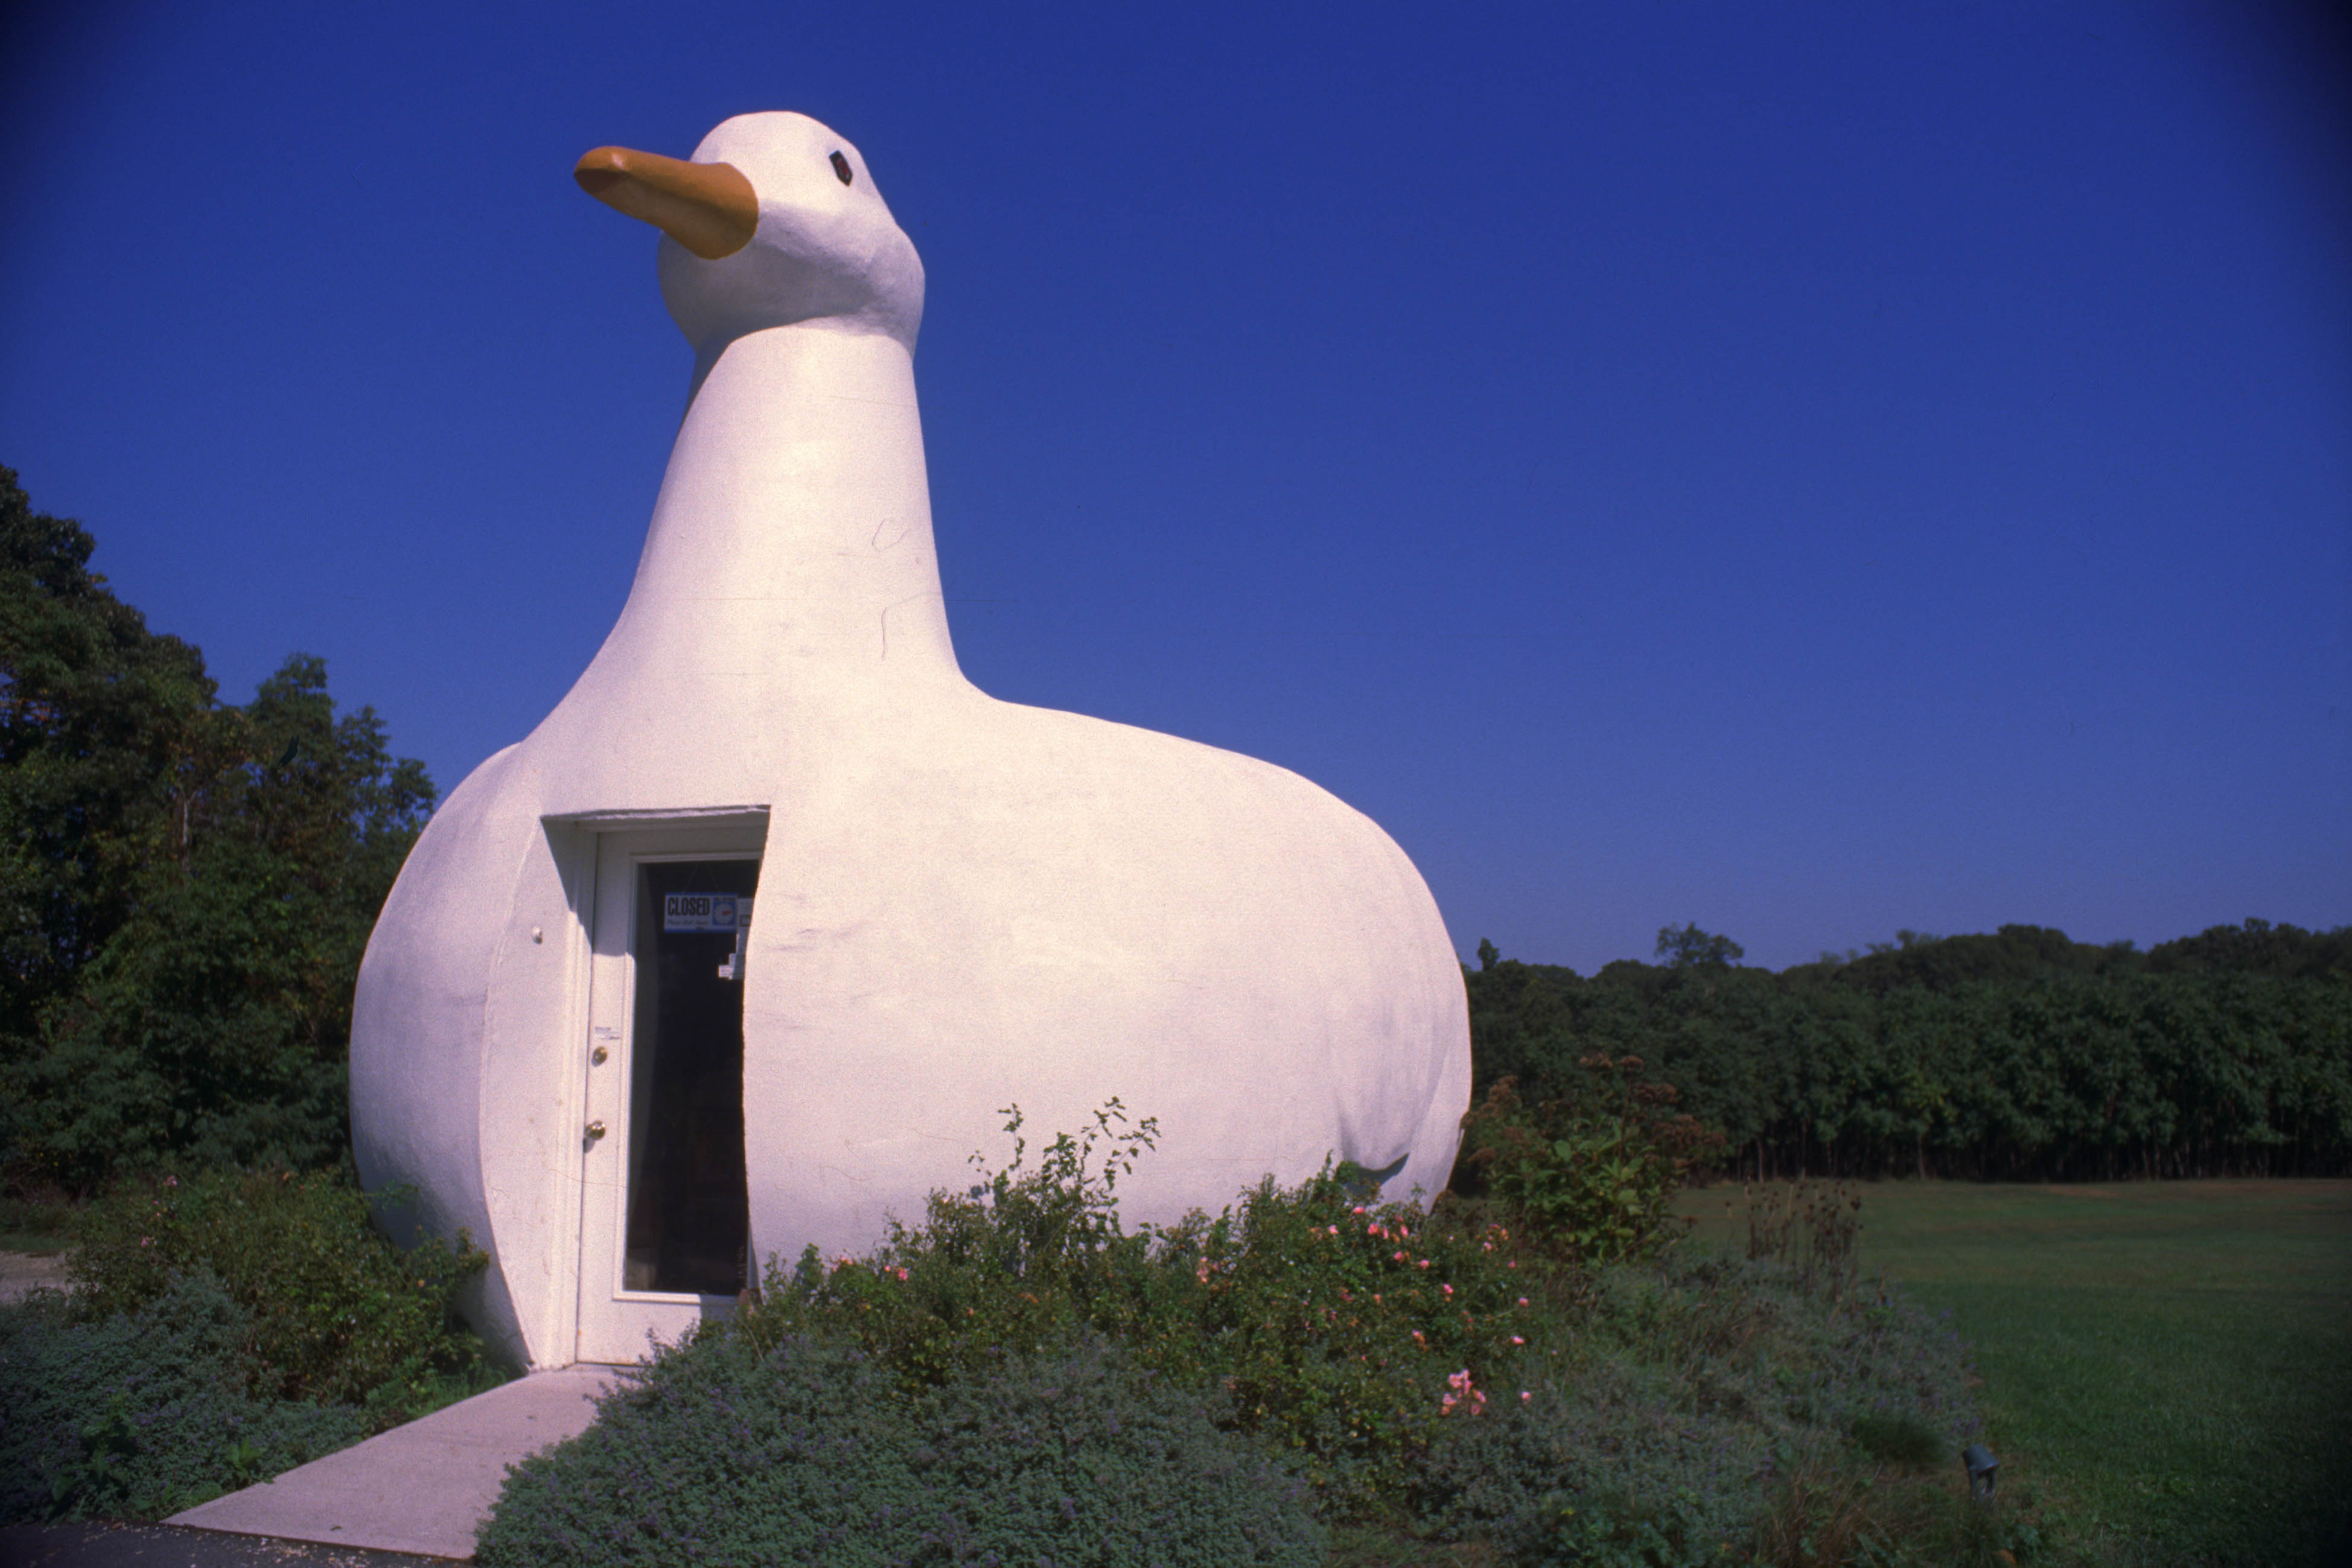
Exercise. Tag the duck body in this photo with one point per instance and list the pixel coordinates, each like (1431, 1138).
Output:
(964, 904)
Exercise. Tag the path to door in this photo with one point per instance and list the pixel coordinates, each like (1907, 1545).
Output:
(424, 1488)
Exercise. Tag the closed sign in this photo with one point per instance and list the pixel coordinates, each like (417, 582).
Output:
(700, 911)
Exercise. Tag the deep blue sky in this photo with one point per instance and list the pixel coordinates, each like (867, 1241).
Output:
(1809, 470)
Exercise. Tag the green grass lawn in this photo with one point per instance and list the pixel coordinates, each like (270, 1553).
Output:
(2167, 1365)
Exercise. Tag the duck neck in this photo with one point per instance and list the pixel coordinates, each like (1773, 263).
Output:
(791, 549)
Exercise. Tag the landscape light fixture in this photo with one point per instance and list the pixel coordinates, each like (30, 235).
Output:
(1982, 1468)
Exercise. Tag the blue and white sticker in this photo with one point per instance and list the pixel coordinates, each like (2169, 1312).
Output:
(700, 911)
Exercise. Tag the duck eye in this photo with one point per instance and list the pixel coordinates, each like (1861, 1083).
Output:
(841, 167)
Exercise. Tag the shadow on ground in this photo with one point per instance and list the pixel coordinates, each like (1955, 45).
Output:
(104, 1545)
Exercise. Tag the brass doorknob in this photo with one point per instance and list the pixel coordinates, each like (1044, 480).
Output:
(595, 1129)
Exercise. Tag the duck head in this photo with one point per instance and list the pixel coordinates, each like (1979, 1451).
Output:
(775, 222)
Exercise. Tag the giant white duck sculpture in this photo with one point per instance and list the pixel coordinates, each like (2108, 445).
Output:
(961, 904)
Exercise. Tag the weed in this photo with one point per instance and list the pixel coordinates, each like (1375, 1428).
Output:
(1815, 1228)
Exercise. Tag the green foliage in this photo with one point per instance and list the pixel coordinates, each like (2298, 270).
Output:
(1593, 1172)
(1900, 1438)
(1687, 947)
(39, 1226)
(1332, 1323)
(145, 1414)
(1437, 1373)
(2015, 1054)
(185, 888)
(330, 1311)
(739, 1448)
(94, 711)
(1658, 1426)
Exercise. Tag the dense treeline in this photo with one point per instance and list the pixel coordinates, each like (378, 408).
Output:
(185, 885)
(2020, 1054)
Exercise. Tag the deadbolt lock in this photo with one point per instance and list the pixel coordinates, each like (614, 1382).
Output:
(595, 1129)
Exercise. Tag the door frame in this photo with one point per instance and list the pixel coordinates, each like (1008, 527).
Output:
(580, 841)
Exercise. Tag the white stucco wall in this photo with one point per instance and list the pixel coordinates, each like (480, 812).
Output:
(963, 903)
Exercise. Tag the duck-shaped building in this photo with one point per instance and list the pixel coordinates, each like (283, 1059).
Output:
(745, 947)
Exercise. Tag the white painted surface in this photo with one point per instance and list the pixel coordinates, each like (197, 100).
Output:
(964, 903)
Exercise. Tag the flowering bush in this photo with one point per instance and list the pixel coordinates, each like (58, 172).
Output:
(1329, 1323)
(1700, 1391)
(1446, 1374)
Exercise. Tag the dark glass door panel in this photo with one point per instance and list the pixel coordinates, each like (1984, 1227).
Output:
(688, 1215)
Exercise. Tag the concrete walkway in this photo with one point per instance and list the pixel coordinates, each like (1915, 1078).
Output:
(22, 1273)
(424, 1488)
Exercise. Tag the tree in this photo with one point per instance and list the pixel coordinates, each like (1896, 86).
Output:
(1687, 947)
(189, 885)
(98, 717)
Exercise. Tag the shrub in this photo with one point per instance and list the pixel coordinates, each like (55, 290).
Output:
(141, 1414)
(1331, 1323)
(333, 1311)
(1606, 1468)
(42, 1223)
(803, 1450)
(1431, 1372)
(1693, 1398)
(1594, 1172)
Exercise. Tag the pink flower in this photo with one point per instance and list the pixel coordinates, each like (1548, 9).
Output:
(1523, 1300)
(1357, 1209)
(1425, 1262)
(1447, 1289)
(171, 1180)
(1517, 1340)
(1398, 1256)
(1417, 1339)
(1335, 1230)
(902, 1274)
(146, 1241)
(1525, 1397)
(1487, 1246)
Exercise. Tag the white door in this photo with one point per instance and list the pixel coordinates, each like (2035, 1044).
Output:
(663, 1227)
